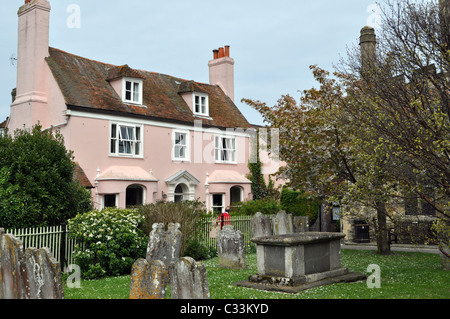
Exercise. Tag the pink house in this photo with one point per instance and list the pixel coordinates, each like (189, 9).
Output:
(139, 136)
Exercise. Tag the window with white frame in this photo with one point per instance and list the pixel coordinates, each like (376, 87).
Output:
(225, 149)
(132, 90)
(126, 140)
(201, 104)
(181, 143)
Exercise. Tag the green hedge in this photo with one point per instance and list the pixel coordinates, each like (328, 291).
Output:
(299, 203)
(266, 206)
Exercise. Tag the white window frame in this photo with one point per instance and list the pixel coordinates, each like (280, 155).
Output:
(201, 97)
(136, 93)
(219, 149)
(135, 143)
(186, 146)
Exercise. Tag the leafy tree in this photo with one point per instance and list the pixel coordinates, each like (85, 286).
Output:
(36, 180)
(402, 97)
(378, 128)
(325, 151)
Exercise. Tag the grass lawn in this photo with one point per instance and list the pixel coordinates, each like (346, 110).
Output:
(403, 276)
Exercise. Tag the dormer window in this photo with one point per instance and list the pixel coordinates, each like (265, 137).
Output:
(132, 90)
(201, 104)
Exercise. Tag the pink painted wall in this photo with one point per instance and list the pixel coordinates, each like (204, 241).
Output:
(89, 138)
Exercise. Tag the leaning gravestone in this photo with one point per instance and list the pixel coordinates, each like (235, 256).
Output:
(261, 225)
(189, 280)
(231, 248)
(282, 224)
(33, 274)
(164, 245)
(148, 280)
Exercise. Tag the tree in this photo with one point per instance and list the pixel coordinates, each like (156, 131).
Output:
(402, 94)
(325, 151)
(312, 141)
(36, 181)
(380, 130)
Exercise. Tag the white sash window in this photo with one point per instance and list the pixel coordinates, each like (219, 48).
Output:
(225, 149)
(126, 140)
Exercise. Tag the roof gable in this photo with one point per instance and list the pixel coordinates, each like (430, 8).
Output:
(85, 85)
(183, 176)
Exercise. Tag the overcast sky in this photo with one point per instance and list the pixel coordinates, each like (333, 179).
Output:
(272, 42)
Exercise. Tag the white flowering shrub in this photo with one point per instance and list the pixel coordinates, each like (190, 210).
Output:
(112, 241)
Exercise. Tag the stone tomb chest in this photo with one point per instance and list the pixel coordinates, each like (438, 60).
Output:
(299, 261)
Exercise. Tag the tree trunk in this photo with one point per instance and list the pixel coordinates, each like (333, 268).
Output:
(383, 244)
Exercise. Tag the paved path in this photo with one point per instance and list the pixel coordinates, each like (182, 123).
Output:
(394, 247)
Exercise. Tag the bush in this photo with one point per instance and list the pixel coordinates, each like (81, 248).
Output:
(249, 208)
(37, 188)
(186, 213)
(113, 242)
(299, 203)
(195, 249)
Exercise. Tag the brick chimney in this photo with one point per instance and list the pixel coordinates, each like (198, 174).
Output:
(221, 71)
(33, 41)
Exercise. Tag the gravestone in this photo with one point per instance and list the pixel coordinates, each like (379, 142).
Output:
(148, 280)
(189, 280)
(282, 224)
(42, 275)
(301, 224)
(11, 252)
(164, 245)
(261, 225)
(29, 274)
(231, 248)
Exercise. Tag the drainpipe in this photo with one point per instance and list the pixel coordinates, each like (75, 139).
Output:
(96, 190)
(207, 192)
(67, 114)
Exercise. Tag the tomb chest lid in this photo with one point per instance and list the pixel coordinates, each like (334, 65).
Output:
(297, 239)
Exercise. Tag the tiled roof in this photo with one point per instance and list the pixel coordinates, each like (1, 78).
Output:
(84, 84)
(79, 175)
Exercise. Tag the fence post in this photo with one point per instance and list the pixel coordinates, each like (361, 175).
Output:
(62, 247)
